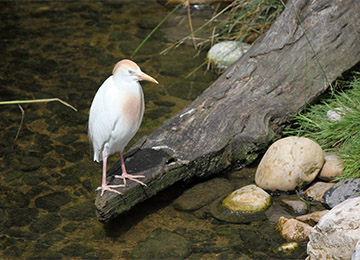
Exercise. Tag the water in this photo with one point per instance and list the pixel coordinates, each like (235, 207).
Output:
(48, 180)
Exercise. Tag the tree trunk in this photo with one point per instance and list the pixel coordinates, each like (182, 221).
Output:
(243, 111)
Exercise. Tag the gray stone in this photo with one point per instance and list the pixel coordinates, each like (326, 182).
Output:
(162, 244)
(341, 191)
(337, 233)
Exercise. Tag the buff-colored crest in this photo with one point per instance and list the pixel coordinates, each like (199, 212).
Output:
(128, 64)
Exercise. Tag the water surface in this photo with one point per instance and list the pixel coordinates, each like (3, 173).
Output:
(48, 180)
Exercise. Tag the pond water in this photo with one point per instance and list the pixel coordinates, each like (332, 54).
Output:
(48, 179)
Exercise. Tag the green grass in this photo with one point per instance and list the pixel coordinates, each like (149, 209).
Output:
(341, 137)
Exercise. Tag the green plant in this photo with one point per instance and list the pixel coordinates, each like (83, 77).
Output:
(337, 136)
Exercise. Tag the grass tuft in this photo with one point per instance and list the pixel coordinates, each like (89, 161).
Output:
(341, 137)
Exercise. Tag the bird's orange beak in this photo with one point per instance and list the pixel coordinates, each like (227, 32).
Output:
(146, 77)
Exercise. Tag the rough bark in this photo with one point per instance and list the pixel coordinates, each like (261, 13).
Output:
(243, 111)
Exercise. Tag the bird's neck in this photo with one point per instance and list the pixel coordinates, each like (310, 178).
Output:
(126, 84)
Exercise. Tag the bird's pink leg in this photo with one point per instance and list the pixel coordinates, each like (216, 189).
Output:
(104, 186)
(125, 175)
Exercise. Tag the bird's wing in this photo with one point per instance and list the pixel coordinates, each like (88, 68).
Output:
(101, 120)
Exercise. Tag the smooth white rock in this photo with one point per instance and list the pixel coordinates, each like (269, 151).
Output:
(226, 53)
(335, 115)
(288, 163)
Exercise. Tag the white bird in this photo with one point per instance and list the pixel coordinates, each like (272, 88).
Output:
(115, 117)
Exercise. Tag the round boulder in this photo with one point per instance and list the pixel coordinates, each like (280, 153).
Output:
(288, 163)
(244, 205)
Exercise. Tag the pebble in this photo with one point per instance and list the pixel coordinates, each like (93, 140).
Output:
(333, 167)
(312, 218)
(316, 191)
(298, 207)
(287, 248)
(293, 230)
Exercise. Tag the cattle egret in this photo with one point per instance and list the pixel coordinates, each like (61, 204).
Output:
(115, 116)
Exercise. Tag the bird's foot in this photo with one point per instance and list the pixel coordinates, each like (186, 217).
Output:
(105, 187)
(125, 176)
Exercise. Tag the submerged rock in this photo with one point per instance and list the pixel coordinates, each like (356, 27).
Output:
(293, 230)
(244, 205)
(45, 223)
(226, 53)
(162, 244)
(288, 163)
(287, 248)
(204, 193)
(295, 206)
(312, 218)
(337, 233)
(79, 211)
(53, 201)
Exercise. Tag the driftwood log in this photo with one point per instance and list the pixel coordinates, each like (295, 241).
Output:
(242, 112)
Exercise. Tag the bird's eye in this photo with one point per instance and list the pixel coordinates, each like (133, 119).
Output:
(131, 72)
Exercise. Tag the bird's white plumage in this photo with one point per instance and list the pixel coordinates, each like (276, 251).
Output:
(112, 127)
(115, 116)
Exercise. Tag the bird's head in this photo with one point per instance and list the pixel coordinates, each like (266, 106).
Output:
(130, 71)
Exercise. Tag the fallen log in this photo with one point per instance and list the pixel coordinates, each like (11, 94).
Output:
(242, 112)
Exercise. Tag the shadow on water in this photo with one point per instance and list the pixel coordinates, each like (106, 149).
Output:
(47, 184)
